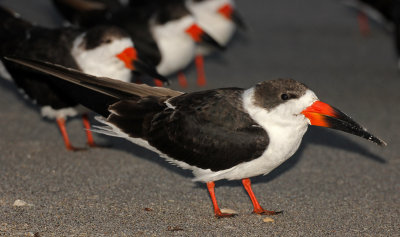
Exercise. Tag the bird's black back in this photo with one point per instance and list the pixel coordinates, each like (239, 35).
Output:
(200, 131)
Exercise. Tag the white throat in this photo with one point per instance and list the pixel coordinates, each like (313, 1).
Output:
(102, 61)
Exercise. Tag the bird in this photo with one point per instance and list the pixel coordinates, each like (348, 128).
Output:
(226, 133)
(164, 32)
(220, 19)
(102, 51)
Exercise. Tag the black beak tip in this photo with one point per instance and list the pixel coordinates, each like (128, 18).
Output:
(206, 38)
(238, 20)
(378, 141)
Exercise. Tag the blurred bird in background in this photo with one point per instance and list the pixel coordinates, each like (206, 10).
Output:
(220, 19)
(165, 33)
(102, 51)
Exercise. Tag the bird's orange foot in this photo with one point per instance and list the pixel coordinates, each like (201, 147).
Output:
(224, 215)
(266, 212)
(72, 148)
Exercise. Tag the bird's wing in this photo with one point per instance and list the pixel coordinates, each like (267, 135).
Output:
(207, 129)
(30, 43)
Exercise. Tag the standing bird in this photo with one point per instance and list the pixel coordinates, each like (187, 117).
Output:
(220, 19)
(101, 51)
(165, 32)
(228, 133)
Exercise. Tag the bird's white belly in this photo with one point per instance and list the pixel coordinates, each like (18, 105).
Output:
(176, 54)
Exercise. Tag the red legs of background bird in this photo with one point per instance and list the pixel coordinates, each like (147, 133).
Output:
(89, 134)
(63, 130)
(182, 79)
(217, 211)
(363, 23)
(257, 208)
(201, 76)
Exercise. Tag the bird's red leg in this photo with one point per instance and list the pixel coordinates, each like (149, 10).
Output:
(182, 79)
(89, 135)
(363, 23)
(201, 75)
(217, 211)
(257, 208)
(63, 130)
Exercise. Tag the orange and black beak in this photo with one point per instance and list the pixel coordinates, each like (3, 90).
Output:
(200, 36)
(130, 57)
(324, 115)
(230, 13)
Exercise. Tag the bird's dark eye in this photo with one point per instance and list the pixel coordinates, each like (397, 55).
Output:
(108, 41)
(285, 96)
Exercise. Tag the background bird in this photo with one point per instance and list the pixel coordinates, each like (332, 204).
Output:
(220, 19)
(102, 51)
(164, 32)
(228, 133)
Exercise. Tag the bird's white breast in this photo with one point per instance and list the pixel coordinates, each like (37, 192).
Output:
(176, 46)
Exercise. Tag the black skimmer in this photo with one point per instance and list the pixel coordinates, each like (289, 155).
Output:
(102, 51)
(164, 32)
(219, 18)
(228, 133)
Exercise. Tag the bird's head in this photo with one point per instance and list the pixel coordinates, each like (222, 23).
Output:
(289, 100)
(108, 49)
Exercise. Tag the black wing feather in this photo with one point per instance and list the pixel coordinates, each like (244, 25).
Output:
(207, 129)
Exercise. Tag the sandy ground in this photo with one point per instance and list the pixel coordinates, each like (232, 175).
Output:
(335, 185)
